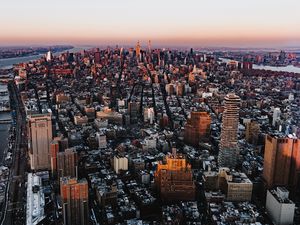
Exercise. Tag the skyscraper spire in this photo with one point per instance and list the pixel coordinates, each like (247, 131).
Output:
(149, 46)
(138, 49)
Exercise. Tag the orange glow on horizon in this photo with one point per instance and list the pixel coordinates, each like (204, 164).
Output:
(169, 22)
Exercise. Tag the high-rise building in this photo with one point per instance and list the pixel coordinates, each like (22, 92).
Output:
(170, 89)
(174, 179)
(149, 46)
(67, 163)
(149, 115)
(49, 56)
(252, 132)
(133, 109)
(247, 65)
(282, 162)
(228, 153)
(276, 116)
(180, 89)
(120, 163)
(54, 149)
(101, 137)
(40, 137)
(138, 50)
(197, 128)
(74, 194)
(97, 56)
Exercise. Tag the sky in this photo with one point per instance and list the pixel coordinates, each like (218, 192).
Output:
(198, 23)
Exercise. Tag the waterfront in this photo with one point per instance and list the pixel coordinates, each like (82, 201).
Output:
(4, 127)
(8, 63)
(289, 68)
(4, 131)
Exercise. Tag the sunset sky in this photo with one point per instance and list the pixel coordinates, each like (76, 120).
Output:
(230, 23)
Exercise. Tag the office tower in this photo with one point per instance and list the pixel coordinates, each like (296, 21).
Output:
(164, 120)
(138, 50)
(280, 208)
(54, 149)
(133, 109)
(197, 128)
(40, 137)
(71, 57)
(252, 132)
(74, 194)
(120, 163)
(247, 65)
(149, 46)
(49, 56)
(170, 89)
(228, 153)
(63, 143)
(97, 56)
(67, 163)
(180, 89)
(276, 116)
(149, 115)
(282, 56)
(101, 137)
(282, 162)
(174, 179)
(291, 97)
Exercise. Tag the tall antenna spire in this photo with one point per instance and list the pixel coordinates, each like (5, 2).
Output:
(149, 45)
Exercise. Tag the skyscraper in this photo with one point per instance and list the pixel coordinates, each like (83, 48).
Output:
(49, 56)
(228, 153)
(197, 128)
(97, 56)
(282, 162)
(252, 132)
(74, 194)
(67, 163)
(149, 46)
(138, 50)
(276, 116)
(54, 149)
(40, 137)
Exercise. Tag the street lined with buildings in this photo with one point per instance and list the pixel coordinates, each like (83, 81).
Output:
(153, 136)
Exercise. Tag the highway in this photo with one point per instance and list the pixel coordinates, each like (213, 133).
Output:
(14, 204)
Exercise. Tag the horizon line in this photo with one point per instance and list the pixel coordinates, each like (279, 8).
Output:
(168, 46)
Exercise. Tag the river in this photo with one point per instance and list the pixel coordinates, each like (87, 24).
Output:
(289, 68)
(8, 63)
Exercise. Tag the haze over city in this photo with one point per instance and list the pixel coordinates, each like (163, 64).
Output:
(232, 23)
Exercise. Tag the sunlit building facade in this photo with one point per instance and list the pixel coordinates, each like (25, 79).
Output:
(197, 128)
(174, 179)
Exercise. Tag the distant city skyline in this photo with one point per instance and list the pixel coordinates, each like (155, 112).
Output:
(230, 23)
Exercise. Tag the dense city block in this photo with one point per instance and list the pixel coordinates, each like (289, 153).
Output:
(143, 135)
